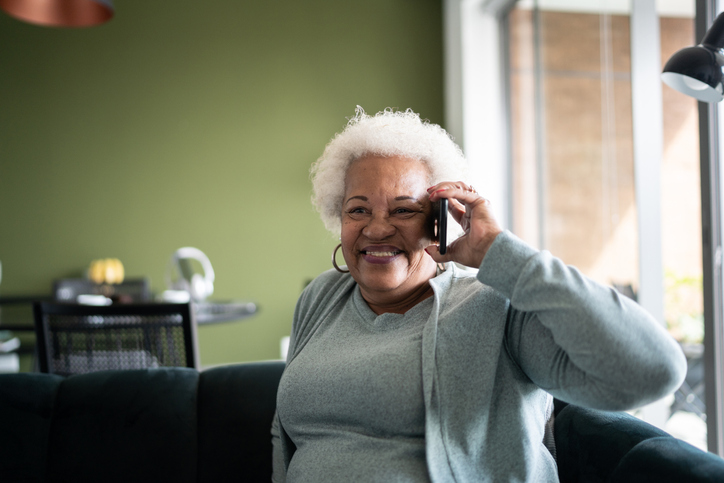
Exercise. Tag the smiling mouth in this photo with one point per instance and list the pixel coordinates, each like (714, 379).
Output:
(382, 254)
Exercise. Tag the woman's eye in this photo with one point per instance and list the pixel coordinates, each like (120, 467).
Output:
(403, 211)
(356, 211)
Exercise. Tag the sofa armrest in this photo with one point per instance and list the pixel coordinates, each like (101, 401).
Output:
(668, 460)
(598, 446)
(591, 443)
(26, 410)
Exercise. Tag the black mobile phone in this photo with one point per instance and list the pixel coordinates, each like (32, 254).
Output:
(442, 226)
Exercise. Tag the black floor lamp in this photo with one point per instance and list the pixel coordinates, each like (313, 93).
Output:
(697, 71)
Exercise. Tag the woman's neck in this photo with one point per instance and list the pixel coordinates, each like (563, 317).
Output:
(393, 303)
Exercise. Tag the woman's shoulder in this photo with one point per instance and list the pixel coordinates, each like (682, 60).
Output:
(463, 283)
(469, 305)
(328, 279)
(322, 294)
(326, 284)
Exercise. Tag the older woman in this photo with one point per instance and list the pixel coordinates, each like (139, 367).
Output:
(405, 368)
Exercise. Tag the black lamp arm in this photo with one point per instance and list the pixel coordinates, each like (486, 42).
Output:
(714, 37)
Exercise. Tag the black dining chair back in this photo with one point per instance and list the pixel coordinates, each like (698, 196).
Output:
(76, 339)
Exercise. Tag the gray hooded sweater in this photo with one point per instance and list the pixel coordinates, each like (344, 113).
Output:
(497, 345)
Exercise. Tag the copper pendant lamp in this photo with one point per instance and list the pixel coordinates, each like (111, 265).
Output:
(60, 13)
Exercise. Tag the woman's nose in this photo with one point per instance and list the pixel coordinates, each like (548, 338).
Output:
(378, 228)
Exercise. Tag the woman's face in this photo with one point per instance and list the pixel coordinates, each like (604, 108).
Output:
(386, 226)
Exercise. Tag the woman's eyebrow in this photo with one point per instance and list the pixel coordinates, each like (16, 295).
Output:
(398, 198)
(402, 198)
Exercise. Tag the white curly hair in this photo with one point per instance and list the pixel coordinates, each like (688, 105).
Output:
(388, 133)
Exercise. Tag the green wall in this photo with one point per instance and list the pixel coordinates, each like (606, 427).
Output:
(195, 123)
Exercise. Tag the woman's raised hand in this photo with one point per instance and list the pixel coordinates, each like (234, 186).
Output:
(472, 212)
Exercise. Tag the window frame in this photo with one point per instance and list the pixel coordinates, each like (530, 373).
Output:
(710, 136)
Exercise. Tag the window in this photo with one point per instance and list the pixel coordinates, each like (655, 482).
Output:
(574, 188)
(572, 173)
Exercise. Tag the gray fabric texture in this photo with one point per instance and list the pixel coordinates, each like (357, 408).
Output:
(497, 345)
(352, 401)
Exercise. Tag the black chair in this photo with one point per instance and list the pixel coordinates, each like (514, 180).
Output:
(130, 290)
(76, 339)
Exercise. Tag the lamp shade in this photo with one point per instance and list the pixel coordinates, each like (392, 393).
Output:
(60, 13)
(697, 71)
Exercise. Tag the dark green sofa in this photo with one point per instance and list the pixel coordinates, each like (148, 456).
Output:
(180, 425)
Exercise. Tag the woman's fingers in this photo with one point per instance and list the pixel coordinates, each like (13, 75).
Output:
(457, 191)
(457, 210)
(463, 200)
(434, 252)
(472, 212)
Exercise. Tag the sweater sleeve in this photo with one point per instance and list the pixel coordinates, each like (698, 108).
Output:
(581, 341)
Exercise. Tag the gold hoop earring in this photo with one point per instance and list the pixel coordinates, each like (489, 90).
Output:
(334, 260)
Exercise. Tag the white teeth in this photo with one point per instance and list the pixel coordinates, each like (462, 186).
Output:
(382, 254)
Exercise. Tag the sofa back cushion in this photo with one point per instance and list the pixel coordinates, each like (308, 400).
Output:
(236, 407)
(122, 426)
